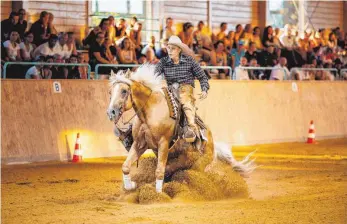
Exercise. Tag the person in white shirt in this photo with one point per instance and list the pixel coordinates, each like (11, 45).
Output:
(287, 40)
(34, 72)
(26, 47)
(47, 49)
(240, 73)
(280, 74)
(168, 31)
(61, 47)
(12, 47)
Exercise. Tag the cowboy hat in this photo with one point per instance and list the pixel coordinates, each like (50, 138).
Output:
(176, 41)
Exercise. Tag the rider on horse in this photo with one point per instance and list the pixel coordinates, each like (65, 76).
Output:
(180, 69)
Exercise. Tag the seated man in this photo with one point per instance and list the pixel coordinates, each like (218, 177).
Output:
(180, 69)
(35, 71)
(282, 72)
(47, 49)
(240, 73)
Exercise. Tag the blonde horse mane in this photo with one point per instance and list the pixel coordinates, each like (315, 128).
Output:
(145, 75)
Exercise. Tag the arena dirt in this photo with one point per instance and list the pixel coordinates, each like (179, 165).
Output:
(305, 189)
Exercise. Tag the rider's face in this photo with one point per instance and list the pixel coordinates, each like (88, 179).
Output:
(173, 51)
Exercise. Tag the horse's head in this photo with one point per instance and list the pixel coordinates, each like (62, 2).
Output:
(120, 99)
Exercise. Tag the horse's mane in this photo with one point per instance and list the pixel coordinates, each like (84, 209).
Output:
(145, 74)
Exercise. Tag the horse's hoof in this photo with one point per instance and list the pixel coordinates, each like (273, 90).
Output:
(130, 187)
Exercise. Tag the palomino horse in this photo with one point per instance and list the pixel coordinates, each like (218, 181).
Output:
(153, 127)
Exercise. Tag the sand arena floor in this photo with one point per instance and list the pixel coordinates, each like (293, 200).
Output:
(297, 183)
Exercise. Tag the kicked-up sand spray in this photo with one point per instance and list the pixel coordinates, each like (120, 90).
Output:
(194, 184)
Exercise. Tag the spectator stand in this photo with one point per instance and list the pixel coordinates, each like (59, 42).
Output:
(140, 19)
(43, 63)
(286, 76)
(337, 77)
(96, 75)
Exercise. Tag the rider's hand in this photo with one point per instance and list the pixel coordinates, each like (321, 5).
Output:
(203, 95)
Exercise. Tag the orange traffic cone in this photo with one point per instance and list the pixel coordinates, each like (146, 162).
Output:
(77, 156)
(311, 134)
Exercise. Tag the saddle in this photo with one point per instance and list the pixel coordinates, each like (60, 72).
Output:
(181, 125)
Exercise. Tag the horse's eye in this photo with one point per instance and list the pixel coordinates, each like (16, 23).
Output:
(124, 92)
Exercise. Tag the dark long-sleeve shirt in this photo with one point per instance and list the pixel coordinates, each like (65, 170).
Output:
(184, 72)
(38, 29)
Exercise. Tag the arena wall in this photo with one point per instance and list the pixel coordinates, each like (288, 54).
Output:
(6, 8)
(39, 125)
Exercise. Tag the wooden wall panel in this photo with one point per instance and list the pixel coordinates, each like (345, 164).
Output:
(327, 14)
(186, 11)
(6, 8)
(233, 13)
(68, 15)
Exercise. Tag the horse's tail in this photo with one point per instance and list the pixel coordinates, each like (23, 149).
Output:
(244, 167)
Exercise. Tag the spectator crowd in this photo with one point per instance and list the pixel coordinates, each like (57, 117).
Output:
(39, 43)
(112, 42)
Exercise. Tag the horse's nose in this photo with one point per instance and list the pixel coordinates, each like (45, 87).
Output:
(110, 113)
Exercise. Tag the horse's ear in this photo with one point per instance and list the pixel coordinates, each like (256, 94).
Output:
(112, 73)
(127, 74)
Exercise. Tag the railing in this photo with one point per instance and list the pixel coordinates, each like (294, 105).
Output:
(44, 63)
(317, 69)
(96, 75)
(261, 68)
(342, 71)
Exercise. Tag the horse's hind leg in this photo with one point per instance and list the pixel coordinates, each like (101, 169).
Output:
(182, 162)
(134, 154)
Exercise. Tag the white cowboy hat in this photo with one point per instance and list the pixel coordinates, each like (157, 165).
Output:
(175, 40)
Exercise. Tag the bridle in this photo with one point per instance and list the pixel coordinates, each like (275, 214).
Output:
(137, 109)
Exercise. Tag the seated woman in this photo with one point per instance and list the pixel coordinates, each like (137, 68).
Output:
(247, 35)
(219, 58)
(12, 47)
(135, 37)
(71, 45)
(12, 50)
(126, 54)
(186, 35)
(268, 37)
(97, 55)
(74, 72)
(238, 32)
(27, 47)
(103, 28)
(59, 72)
(257, 39)
(110, 51)
(83, 70)
(46, 72)
(229, 41)
(120, 29)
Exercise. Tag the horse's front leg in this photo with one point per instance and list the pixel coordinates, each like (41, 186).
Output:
(163, 151)
(134, 154)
